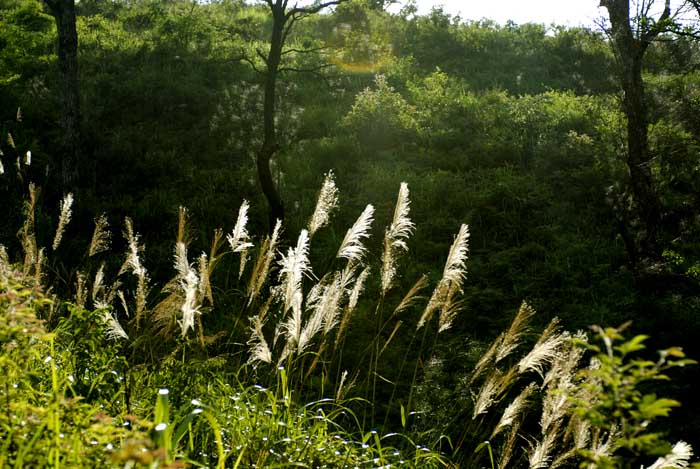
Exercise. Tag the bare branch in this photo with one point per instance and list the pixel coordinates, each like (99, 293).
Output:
(313, 9)
(304, 51)
(305, 70)
(247, 59)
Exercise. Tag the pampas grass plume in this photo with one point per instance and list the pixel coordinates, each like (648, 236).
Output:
(64, 219)
(352, 248)
(326, 203)
(395, 237)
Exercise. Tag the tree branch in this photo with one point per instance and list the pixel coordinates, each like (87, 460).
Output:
(304, 51)
(314, 8)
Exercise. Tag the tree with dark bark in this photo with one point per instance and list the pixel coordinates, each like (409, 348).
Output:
(63, 12)
(633, 28)
(284, 17)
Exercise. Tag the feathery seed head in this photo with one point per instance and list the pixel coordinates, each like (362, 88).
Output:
(450, 284)
(352, 248)
(263, 262)
(678, 458)
(239, 238)
(395, 237)
(512, 339)
(545, 351)
(182, 265)
(326, 203)
(113, 329)
(259, 350)
(293, 267)
(514, 409)
(100, 236)
(64, 219)
(189, 307)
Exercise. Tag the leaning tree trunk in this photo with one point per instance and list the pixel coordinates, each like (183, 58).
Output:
(63, 12)
(270, 145)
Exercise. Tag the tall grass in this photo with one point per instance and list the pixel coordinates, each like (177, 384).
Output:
(258, 373)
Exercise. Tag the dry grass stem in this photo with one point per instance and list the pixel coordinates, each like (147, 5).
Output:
(81, 292)
(26, 234)
(508, 446)
(412, 296)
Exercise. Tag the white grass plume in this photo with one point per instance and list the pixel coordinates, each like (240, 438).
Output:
(190, 306)
(113, 329)
(352, 247)
(133, 263)
(357, 289)
(28, 158)
(259, 350)
(326, 203)
(514, 409)
(261, 269)
(512, 339)
(181, 264)
(545, 350)
(488, 394)
(450, 308)
(100, 236)
(293, 267)
(539, 456)
(452, 277)
(239, 239)
(2, 168)
(395, 237)
(63, 219)
(98, 288)
(678, 458)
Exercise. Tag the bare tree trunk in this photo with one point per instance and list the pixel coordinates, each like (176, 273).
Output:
(270, 145)
(638, 155)
(63, 12)
(630, 47)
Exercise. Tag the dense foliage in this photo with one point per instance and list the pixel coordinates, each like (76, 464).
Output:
(515, 130)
